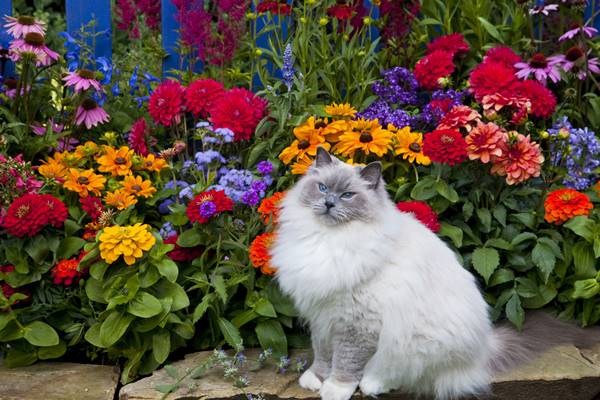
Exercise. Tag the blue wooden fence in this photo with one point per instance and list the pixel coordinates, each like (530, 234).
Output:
(81, 12)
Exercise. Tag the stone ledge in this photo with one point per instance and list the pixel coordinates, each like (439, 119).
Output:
(563, 373)
(59, 381)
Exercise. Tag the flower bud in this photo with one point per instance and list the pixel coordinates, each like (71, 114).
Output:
(323, 21)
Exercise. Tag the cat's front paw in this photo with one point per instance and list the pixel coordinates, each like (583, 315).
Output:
(310, 381)
(335, 390)
(371, 386)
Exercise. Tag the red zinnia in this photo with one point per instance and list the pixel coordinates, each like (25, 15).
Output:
(201, 94)
(166, 103)
(137, 137)
(217, 197)
(432, 67)
(503, 55)
(341, 11)
(445, 146)
(453, 43)
(422, 212)
(491, 77)
(182, 253)
(65, 272)
(239, 110)
(543, 102)
(92, 206)
(28, 214)
(57, 211)
(274, 7)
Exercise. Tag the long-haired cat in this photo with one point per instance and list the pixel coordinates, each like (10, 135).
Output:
(388, 304)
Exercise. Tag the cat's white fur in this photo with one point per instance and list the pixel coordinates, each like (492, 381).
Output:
(435, 332)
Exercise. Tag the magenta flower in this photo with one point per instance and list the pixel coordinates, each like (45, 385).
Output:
(576, 62)
(82, 80)
(543, 9)
(90, 114)
(33, 43)
(21, 26)
(11, 88)
(40, 130)
(540, 67)
(587, 31)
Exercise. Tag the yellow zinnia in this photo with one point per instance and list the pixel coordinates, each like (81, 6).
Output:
(117, 162)
(137, 186)
(153, 163)
(309, 136)
(120, 199)
(364, 135)
(410, 146)
(340, 110)
(84, 182)
(129, 241)
(53, 168)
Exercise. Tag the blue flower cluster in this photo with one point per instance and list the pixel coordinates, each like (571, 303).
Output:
(578, 151)
(401, 104)
(242, 186)
(288, 67)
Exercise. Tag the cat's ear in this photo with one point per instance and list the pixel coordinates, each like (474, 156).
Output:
(323, 158)
(372, 174)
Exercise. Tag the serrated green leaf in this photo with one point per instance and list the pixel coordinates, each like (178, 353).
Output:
(514, 311)
(485, 261)
(230, 333)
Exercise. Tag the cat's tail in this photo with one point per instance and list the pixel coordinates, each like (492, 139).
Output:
(541, 331)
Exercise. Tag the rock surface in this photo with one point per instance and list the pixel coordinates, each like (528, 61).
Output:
(564, 373)
(59, 381)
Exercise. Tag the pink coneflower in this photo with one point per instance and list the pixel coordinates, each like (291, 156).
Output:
(574, 61)
(543, 9)
(20, 26)
(82, 80)
(90, 114)
(587, 31)
(540, 67)
(41, 130)
(33, 43)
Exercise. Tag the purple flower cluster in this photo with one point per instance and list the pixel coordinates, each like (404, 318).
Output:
(579, 153)
(167, 230)
(207, 209)
(399, 86)
(217, 136)
(242, 186)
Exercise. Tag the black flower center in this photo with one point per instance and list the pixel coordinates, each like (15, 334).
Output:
(303, 145)
(415, 147)
(320, 124)
(83, 180)
(86, 74)
(89, 104)
(26, 20)
(34, 39)
(120, 160)
(538, 61)
(137, 188)
(366, 137)
(574, 53)
(11, 83)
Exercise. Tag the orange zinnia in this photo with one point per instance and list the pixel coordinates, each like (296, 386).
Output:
(269, 208)
(153, 163)
(119, 199)
(137, 186)
(563, 204)
(117, 162)
(84, 182)
(259, 253)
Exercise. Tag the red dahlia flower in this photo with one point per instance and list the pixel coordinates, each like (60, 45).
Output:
(239, 110)
(543, 102)
(422, 212)
(432, 67)
(182, 253)
(137, 137)
(341, 11)
(166, 103)
(92, 206)
(274, 7)
(503, 55)
(201, 94)
(454, 43)
(446, 146)
(491, 77)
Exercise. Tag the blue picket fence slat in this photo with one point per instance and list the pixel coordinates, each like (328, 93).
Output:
(81, 12)
(170, 35)
(6, 9)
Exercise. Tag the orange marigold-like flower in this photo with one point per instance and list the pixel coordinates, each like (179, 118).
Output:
(563, 204)
(53, 168)
(340, 110)
(483, 142)
(269, 208)
(120, 199)
(460, 117)
(117, 162)
(137, 186)
(153, 163)
(521, 159)
(309, 136)
(84, 182)
(301, 166)
(259, 253)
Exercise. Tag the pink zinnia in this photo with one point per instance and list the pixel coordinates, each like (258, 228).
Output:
(520, 160)
(90, 114)
(82, 80)
(540, 67)
(20, 26)
(33, 43)
(460, 117)
(166, 103)
(483, 142)
(201, 94)
(494, 103)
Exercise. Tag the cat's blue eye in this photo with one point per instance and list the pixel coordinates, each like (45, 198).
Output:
(322, 188)
(347, 195)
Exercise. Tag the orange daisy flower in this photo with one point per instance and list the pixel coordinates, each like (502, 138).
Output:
(269, 208)
(153, 163)
(301, 166)
(117, 162)
(53, 168)
(137, 186)
(84, 182)
(259, 253)
(340, 110)
(309, 136)
(563, 204)
(364, 135)
(119, 199)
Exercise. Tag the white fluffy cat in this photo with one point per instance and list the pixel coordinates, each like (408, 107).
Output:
(388, 304)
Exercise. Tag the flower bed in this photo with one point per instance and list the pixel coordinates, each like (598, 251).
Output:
(137, 212)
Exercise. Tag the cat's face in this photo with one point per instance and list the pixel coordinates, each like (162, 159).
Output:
(338, 193)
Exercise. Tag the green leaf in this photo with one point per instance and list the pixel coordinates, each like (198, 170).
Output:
(446, 191)
(71, 227)
(485, 261)
(47, 353)
(166, 289)
(37, 249)
(93, 335)
(271, 336)
(424, 189)
(161, 346)
(69, 246)
(500, 276)
(114, 327)
(39, 333)
(597, 247)
(265, 308)
(16, 357)
(230, 333)
(491, 29)
(485, 217)
(526, 219)
(544, 258)
(144, 305)
(499, 213)
(219, 284)
(452, 232)
(514, 311)
(586, 289)
(526, 287)
(202, 307)
(189, 238)
(98, 269)
(583, 260)
(581, 226)
(167, 268)
(523, 237)
(498, 243)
